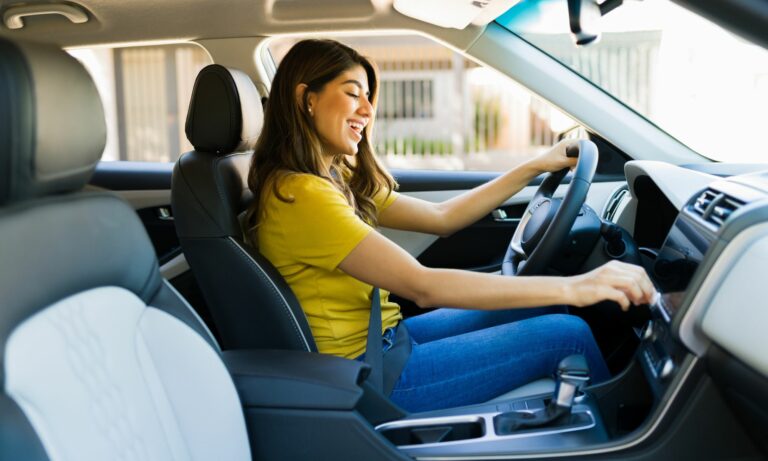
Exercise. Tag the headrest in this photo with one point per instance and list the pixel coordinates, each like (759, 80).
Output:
(225, 113)
(52, 126)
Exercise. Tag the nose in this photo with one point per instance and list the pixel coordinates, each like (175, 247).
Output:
(365, 108)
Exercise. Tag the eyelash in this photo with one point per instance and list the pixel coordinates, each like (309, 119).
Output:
(353, 95)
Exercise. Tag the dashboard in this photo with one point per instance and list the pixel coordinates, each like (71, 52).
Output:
(698, 231)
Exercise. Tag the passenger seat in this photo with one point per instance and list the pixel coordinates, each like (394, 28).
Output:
(99, 357)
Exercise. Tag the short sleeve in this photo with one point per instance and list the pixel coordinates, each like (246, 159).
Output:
(319, 226)
(384, 199)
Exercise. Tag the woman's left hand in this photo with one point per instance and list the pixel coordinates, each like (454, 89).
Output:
(554, 159)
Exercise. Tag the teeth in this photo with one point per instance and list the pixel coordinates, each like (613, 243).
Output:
(356, 126)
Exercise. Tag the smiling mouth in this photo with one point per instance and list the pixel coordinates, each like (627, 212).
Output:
(357, 128)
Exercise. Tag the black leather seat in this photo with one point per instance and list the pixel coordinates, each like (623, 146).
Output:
(99, 356)
(250, 303)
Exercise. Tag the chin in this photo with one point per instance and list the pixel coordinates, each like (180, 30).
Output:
(350, 150)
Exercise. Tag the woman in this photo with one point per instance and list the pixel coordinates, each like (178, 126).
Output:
(320, 194)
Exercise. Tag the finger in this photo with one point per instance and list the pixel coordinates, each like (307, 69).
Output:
(649, 291)
(642, 279)
(617, 296)
(630, 286)
(640, 276)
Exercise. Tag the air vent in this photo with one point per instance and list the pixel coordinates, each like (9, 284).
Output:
(614, 203)
(714, 207)
(723, 209)
(704, 201)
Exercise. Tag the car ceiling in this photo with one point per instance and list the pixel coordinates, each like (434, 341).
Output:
(119, 21)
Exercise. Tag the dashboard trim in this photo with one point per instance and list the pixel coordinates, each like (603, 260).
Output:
(690, 331)
(739, 327)
(676, 183)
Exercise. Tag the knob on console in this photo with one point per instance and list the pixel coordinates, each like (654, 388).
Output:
(667, 367)
(648, 331)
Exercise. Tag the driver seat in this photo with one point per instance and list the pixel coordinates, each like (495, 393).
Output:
(250, 302)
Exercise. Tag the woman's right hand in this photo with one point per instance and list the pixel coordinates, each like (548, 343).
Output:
(626, 284)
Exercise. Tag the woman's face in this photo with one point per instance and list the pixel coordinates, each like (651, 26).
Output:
(341, 111)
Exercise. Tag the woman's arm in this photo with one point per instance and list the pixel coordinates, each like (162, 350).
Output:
(379, 262)
(445, 218)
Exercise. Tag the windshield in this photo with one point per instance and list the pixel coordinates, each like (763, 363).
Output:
(698, 82)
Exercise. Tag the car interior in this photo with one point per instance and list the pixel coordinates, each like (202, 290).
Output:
(138, 322)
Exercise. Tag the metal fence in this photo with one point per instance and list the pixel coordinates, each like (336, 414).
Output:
(481, 120)
(440, 110)
(153, 86)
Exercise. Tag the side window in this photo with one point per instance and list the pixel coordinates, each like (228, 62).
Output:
(438, 110)
(145, 91)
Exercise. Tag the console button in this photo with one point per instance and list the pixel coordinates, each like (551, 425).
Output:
(667, 367)
(648, 330)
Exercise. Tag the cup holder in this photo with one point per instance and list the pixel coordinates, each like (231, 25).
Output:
(420, 434)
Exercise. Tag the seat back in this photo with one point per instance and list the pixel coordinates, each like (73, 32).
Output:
(250, 303)
(100, 358)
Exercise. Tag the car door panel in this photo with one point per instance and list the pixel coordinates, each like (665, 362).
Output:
(147, 188)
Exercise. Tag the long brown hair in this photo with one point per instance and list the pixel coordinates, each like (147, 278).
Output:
(289, 142)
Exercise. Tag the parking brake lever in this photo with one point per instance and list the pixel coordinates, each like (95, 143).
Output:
(572, 375)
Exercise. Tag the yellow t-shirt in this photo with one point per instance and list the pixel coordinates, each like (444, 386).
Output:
(306, 240)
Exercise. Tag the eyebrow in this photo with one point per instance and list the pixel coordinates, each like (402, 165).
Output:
(357, 84)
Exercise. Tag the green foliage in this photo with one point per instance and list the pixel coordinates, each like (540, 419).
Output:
(413, 145)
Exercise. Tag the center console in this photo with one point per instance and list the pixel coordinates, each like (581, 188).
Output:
(566, 419)
(484, 430)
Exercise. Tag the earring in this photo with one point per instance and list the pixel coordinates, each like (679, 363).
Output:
(310, 111)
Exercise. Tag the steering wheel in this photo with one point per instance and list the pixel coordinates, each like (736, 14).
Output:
(547, 221)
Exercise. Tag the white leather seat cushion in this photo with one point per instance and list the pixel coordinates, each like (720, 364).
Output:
(102, 376)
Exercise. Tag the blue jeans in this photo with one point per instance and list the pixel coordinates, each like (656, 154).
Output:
(463, 357)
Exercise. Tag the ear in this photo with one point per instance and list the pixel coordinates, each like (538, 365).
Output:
(301, 89)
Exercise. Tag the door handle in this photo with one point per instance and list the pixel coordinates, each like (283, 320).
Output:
(13, 16)
(500, 215)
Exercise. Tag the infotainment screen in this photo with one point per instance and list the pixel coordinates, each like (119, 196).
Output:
(678, 259)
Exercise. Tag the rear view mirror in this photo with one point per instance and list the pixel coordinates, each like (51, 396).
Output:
(583, 16)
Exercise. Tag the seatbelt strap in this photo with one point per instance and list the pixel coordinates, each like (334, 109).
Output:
(374, 355)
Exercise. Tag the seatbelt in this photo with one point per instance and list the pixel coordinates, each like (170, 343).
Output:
(374, 355)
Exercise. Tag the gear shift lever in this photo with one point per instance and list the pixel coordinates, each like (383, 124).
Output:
(572, 375)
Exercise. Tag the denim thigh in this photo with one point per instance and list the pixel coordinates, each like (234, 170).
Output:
(477, 366)
(447, 322)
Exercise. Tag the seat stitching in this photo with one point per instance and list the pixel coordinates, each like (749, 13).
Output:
(154, 396)
(194, 314)
(271, 284)
(222, 195)
(216, 163)
(192, 191)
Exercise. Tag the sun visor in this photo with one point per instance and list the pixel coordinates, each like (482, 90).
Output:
(456, 14)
